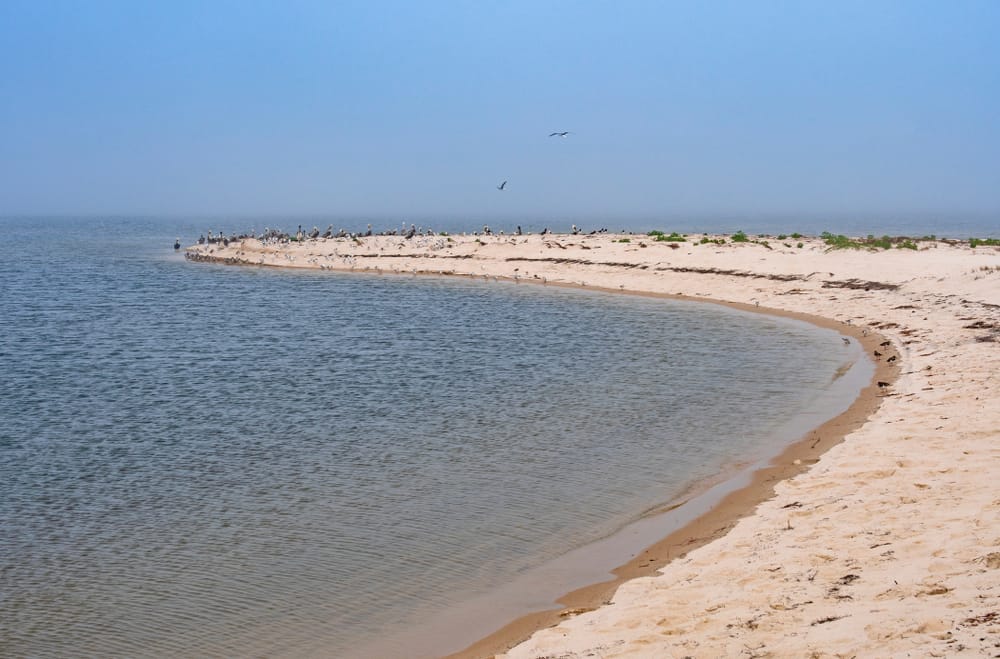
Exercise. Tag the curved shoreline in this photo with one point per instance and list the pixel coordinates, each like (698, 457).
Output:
(722, 515)
(856, 293)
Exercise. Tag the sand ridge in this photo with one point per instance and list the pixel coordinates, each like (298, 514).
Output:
(888, 545)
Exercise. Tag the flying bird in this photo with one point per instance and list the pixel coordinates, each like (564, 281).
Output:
(502, 185)
(560, 133)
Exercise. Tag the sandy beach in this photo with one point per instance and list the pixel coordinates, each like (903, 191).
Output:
(878, 534)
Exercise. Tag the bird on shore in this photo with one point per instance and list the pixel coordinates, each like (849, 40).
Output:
(885, 343)
(846, 341)
(891, 359)
(878, 355)
(563, 133)
(502, 186)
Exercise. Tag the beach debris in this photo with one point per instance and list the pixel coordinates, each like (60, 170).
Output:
(823, 621)
(860, 284)
(992, 616)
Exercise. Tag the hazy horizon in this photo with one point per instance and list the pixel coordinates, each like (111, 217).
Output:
(390, 111)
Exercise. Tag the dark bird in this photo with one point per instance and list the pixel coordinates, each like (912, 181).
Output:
(563, 133)
(177, 243)
(885, 343)
(846, 340)
(502, 185)
(891, 359)
(882, 384)
(878, 355)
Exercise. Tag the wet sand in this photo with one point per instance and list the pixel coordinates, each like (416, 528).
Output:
(876, 534)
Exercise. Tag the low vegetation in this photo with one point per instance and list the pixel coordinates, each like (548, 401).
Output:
(661, 236)
(840, 241)
(871, 242)
(987, 242)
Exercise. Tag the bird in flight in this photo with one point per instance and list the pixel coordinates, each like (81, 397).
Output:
(563, 133)
(502, 185)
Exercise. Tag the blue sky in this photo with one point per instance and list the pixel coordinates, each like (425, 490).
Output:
(406, 109)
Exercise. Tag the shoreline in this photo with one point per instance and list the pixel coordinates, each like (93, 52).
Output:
(722, 515)
(780, 283)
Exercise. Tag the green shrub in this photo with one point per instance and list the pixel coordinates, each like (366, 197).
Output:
(839, 241)
(885, 242)
(870, 242)
(796, 235)
(672, 238)
(740, 237)
(655, 232)
(907, 244)
(990, 242)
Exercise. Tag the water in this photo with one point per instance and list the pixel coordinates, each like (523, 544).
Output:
(201, 460)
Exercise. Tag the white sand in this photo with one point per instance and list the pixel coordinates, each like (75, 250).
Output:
(889, 545)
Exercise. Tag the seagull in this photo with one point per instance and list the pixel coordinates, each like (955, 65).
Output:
(563, 133)
(502, 185)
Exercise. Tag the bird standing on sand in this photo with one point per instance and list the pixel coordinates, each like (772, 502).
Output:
(502, 186)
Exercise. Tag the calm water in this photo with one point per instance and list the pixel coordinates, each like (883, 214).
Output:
(200, 460)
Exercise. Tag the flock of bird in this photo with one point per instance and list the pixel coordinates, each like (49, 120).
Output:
(558, 133)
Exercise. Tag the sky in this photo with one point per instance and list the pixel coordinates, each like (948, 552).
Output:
(421, 109)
